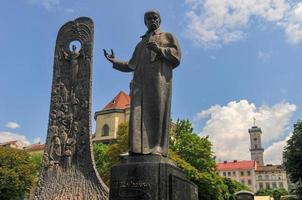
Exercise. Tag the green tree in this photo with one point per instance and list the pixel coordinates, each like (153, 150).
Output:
(292, 157)
(100, 152)
(233, 187)
(107, 155)
(17, 173)
(36, 159)
(192, 148)
(264, 192)
(275, 193)
(121, 144)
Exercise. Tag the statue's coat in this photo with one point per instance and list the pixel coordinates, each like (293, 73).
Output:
(151, 91)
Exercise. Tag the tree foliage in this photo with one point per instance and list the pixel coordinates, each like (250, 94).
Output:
(276, 193)
(292, 157)
(100, 152)
(192, 148)
(106, 155)
(233, 187)
(17, 173)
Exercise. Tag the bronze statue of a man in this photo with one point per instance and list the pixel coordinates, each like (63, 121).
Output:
(152, 63)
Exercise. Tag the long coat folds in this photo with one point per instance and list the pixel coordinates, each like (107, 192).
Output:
(151, 91)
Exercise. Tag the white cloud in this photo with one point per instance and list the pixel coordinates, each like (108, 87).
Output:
(273, 154)
(264, 56)
(12, 125)
(52, 5)
(227, 126)
(37, 140)
(9, 136)
(218, 22)
(48, 4)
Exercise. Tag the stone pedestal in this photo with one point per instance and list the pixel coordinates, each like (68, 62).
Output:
(150, 177)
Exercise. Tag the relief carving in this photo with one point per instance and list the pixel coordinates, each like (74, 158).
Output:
(69, 171)
(72, 57)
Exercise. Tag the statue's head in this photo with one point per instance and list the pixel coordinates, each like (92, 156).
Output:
(74, 47)
(152, 20)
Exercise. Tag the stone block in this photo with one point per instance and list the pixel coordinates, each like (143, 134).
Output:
(150, 177)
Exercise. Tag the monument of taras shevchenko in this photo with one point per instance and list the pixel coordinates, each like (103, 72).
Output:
(152, 63)
(145, 172)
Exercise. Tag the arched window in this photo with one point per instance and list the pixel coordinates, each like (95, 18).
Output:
(105, 130)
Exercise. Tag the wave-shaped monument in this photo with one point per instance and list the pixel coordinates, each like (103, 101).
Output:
(68, 166)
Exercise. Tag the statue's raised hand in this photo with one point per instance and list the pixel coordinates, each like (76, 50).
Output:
(109, 57)
(153, 46)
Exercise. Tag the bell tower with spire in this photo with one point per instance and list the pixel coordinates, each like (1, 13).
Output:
(256, 147)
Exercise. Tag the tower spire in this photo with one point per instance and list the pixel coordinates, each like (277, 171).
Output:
(256, 146)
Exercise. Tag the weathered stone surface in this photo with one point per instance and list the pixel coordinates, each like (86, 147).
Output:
(68, 166)
(150, 177)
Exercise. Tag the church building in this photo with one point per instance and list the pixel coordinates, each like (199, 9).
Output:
(110, 117)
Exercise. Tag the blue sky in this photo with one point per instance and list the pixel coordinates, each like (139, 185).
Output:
(241, 59)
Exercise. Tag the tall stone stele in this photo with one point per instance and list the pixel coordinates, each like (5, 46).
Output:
(146, 173)
(68, 166)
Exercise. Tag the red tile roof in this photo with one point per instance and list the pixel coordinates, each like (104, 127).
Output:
(236, 165)
(270, 168)
(121, 101)
(35, 147)
(14, 142)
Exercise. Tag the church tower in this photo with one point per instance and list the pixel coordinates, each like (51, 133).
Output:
(256, 148)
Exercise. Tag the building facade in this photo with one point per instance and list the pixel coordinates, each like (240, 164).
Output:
(271, 177)
(108, 119)
(241, 171)
(267, 176)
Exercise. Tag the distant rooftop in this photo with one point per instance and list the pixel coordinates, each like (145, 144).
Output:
(18, 144)
(236, 165)
(120, 101)
(14, 142)
(270, 167)
(35, 147)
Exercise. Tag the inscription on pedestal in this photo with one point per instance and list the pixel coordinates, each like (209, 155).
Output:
(150, 178)
(132, 190)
